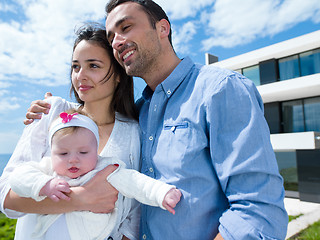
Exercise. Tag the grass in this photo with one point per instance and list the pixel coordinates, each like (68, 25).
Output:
(310, 233)
(294, 217)
(7, 227)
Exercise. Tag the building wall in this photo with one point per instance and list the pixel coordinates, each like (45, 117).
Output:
(287, 75)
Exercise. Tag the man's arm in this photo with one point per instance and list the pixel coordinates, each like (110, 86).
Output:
(96, 196)
(36, 109)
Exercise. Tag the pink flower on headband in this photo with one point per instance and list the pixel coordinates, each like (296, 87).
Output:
(67, 117)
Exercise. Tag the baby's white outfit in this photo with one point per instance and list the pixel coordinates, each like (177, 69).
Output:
(28, 179)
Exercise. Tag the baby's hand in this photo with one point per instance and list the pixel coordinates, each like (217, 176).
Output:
(171, 199)
(55, 189)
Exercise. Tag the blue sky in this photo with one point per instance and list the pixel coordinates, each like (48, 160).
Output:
(37, 36)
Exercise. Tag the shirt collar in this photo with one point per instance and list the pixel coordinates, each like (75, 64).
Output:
(171, 83)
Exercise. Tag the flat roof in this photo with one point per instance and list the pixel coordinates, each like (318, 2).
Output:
(286, 48)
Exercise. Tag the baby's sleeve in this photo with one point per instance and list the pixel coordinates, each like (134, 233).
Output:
(29, 178)
(132, 184)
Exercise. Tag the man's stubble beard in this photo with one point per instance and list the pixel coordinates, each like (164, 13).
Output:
(146, 59)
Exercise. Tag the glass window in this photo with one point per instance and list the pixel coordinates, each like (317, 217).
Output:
(289, 67)
(310, 62)
(252, 73)
(312, 114)
(293, 119)
(287, 163)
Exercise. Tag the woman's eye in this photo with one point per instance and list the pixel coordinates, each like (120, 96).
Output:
(92, 65)
(75, 67)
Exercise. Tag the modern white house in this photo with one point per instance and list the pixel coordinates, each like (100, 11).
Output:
(287, 75)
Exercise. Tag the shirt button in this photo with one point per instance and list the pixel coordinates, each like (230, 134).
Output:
(151, 169)
(150, 138)
(144, 236)
(168, 92)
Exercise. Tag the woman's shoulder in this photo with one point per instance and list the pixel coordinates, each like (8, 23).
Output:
(125, 120)
(127, 126)
(59, 105)
(61, 102)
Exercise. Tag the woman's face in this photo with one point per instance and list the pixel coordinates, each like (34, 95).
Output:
(90, 73)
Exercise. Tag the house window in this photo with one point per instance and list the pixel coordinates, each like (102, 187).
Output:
(252, 73)
(310, 62)
(289, 67)
(293, 117)
(312, 113)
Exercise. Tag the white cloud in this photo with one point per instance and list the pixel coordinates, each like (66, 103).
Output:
(183, 35)
(181, 9)
(4, 7)
(40, 47)
(234, 22)
(8, 104)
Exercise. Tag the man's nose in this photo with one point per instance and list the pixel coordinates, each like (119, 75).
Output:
(118, 41)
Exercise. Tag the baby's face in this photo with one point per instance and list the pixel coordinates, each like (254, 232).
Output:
(75, 154)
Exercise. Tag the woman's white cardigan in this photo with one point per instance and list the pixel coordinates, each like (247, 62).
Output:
(123, 144)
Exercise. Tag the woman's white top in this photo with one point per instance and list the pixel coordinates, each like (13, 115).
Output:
(123, 143)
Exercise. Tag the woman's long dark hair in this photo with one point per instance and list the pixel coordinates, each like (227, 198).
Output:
(123, 99)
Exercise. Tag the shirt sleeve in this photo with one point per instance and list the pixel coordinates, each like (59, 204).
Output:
(245, 163)
(29, 178)
(32, 146)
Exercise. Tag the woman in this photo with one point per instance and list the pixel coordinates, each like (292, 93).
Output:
(105, 92)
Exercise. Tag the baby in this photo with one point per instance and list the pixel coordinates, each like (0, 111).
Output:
(74, 140)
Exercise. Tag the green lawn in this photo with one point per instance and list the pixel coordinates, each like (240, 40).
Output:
(7, 227)
(311, 233)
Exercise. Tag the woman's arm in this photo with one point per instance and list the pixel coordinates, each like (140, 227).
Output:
(96, 196)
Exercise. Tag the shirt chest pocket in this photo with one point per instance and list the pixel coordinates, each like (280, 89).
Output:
(174, 140)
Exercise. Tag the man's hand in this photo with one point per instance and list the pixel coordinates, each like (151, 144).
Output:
(56, 189)
(36, 109)
(98, 195)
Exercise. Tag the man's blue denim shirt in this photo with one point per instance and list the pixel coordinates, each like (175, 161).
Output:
(204, 131)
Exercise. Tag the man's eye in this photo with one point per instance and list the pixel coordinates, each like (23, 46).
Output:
(125, 27)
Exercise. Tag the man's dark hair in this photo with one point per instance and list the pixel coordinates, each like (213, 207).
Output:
(153, 10)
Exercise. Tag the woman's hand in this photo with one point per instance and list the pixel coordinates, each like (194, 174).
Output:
(98, 195)
(36, 109)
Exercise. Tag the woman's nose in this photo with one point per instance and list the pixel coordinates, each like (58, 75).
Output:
(82, 74)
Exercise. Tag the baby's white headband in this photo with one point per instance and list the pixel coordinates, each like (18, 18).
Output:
(73, 120)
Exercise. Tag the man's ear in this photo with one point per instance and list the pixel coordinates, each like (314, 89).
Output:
(163, 28)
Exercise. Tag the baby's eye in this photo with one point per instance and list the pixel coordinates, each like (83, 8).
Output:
(83, 152)
(63, 153)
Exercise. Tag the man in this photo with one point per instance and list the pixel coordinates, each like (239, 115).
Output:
(203, 130)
